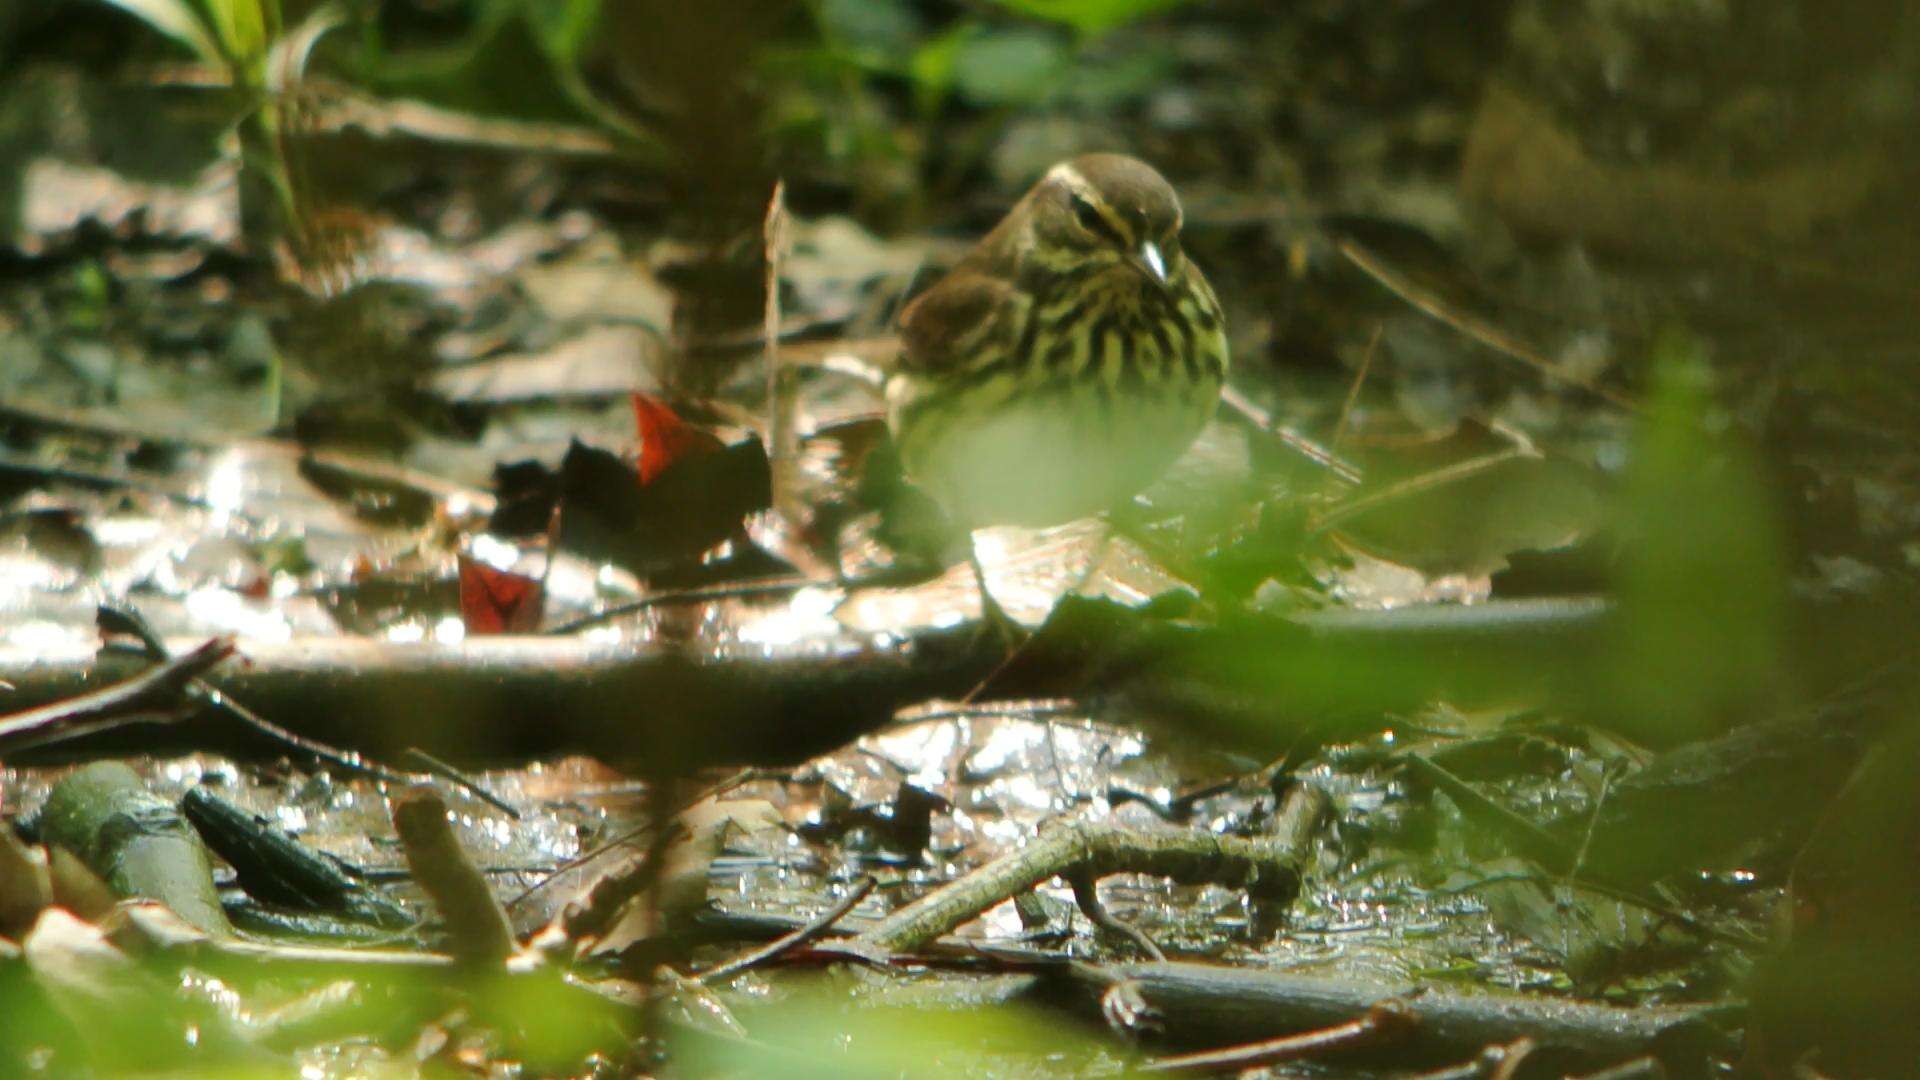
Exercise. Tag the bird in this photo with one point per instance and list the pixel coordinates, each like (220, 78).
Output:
(1064, 362)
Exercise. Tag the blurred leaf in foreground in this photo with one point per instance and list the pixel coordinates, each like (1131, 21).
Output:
(1702, 580)
(934, 1030)
(1091, 16)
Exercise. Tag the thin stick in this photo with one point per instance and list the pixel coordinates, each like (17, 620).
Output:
(1031, 709)
(461, 780)
(786, 943)
(120, 620)
(1086, 894)
(154, 692)
(1532, 839)
(1260, 418)
(1261, 865)
(1353, 392)
(1416, 485)
(783, 442)
(350, 760)
(1512, 1058)
(744, 776)
(477, 927)
(1471, 326)
(1646, 1067)
(1383, 1023)
(729, 591)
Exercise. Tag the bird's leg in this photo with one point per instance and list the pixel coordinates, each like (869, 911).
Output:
(994, 618)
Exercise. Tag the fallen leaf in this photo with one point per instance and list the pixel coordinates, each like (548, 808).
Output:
(494, 601)
(665, 438)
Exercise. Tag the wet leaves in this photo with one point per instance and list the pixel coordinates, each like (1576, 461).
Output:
(665, 439)
(494, 601)
(608, 512)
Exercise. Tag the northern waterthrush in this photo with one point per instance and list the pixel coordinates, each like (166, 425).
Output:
(1066, 360)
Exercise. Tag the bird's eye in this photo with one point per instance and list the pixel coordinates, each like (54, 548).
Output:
(1090, 219)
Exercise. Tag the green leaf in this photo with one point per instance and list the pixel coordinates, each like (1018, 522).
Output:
(1702, 580)
(563, 28)
(1107, 82)
(241, 27)
(287, 61)
(933, 63)
(877, 27)
(1009, 67)
(175, 19)
(1091, 16)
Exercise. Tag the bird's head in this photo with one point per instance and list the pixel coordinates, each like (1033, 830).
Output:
(1104, 211)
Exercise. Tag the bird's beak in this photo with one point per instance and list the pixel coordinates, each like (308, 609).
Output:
(1151, 262)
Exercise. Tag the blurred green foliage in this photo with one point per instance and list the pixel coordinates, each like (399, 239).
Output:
(231, 34)
(819, 1028)
(1091, 16)
(867, 90)
(991, 60)
(1702, 577)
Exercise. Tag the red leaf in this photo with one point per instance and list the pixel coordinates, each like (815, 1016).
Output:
(498, 601)
(665, 438)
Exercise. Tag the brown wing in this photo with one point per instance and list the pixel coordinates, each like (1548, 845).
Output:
(947, 326)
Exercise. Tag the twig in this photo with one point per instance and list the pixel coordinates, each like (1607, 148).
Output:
(1475, 328)
(1031, 709)
(120, 620)
(773, 950)
(1237, 1004)
(349, 760)
(454, 776)
(1481, 1065)
(341, 109)
(1615, 892)
(727, 591)
(1385, 1022)
(1646, 1067)
(1264, 866)
(162, 931)
(737, 779)
(1514, 1055)
(783, 438)
(477, 926)
(1260, 418)
(1416, 485)
(1353, 392)
(98, 480)
(1086, 894)
(698, 993)
(1525, 834)
(157, 692)
(1593, 824)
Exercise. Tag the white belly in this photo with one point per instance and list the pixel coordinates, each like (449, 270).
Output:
(1041, 455)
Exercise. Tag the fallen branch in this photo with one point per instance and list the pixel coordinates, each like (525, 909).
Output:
(1243, 406)
(473, 699)
(137, 842)
(117, 620)
(786, 943)
(1200, 1003)
(159, 693)
(1267, 867)
(477, 928)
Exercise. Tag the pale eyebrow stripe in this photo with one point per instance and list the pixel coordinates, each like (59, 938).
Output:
(1077, 184)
